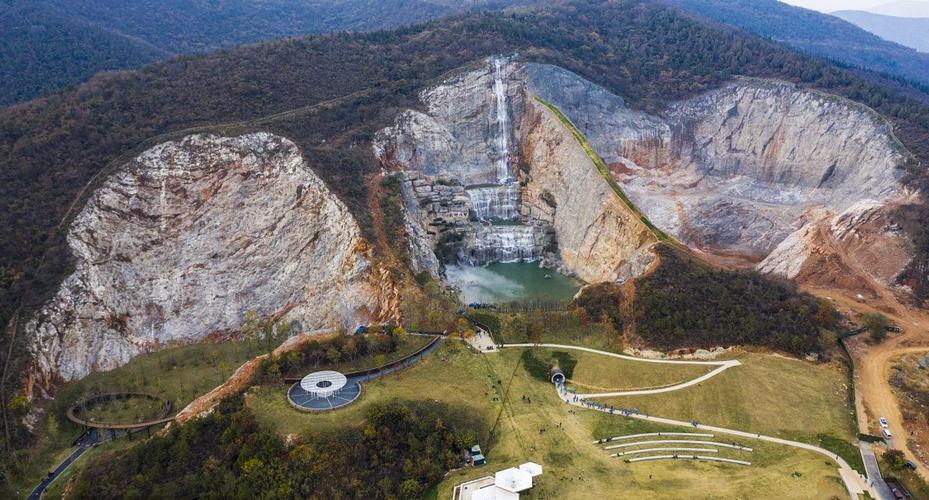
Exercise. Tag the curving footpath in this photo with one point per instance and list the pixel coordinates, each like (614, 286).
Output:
(679, 441)
(722, 366)
(854, 482)
(652, 450)
(689, 457)
(652, 434)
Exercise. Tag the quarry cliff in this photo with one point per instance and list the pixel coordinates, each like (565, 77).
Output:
(186, 238)
(740, 173)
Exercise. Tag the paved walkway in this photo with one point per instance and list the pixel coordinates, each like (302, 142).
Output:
(733, 446)
(874, 471)
(722, 366)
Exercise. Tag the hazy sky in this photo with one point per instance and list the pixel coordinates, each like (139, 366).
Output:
(833, 5)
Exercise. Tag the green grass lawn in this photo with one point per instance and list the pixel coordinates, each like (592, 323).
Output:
(561, 328)
(123, 410)
(596, 373)
(463, 380)
(574, 467)
(769, 394)
(524, 420)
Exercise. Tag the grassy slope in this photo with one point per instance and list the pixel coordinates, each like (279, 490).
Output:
(574, 467)
(560, 329)
(192, 372)
(177, 374)
(596, 373)
(774, 395)
(601, 167)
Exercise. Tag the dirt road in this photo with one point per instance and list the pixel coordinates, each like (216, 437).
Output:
(873, 363)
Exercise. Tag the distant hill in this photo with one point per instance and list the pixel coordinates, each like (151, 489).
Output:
(42, 51)
(912, 32)
(46, 45)
(815, 33)
(906, 8)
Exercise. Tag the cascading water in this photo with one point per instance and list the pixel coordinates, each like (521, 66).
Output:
(491, 204)
(494, 202)
(503, 130)
(505, 244)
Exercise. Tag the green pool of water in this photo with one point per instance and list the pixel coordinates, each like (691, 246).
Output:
(498, 283)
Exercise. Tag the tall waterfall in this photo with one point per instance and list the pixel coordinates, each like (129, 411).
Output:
(502, 140)
(495, 202)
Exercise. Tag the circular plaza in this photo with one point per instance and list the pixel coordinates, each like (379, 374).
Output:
(323, 390)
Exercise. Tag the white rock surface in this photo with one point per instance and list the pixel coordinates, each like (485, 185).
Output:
(749, 171)
(183, 240)
(599, 239)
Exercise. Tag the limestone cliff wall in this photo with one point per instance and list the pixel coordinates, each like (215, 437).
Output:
(456, 136)
(754, 170)
(182, 241)
(598, 238)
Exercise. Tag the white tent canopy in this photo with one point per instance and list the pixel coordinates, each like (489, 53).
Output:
(513, 480)
(323, 384)
(532, 468)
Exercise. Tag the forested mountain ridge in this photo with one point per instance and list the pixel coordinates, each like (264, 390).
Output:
(42, 50)
(815, 33)
(330, 94)
(47, 45)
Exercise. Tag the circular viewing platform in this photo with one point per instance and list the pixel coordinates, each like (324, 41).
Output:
(323, 390)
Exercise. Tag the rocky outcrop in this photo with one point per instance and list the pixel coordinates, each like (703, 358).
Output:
(860, 250)
(599, 239)
(757, 170)
(461, 156)
(733, 170)
(457, 136)
(182, 241)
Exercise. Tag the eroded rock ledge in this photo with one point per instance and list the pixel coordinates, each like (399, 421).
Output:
(183, 240)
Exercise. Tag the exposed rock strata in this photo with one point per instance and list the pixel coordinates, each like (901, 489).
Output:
(183, 240)
(757, 169)
(754, 171)
(451, 153)
(598, 238)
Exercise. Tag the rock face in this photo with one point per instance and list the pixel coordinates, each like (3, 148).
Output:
(757, 170)
(461, 158)
(182, 241)
(860, 249)
(754, 171)
(598, 238)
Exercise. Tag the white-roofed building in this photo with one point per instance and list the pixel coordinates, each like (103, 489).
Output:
(504, 485)
(493, 493)
(532, 468)
(513, 480)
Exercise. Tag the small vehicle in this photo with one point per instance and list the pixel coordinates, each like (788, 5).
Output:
(910, 465)
(894, 329)
(886, 433)
(883, 422)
